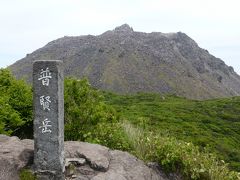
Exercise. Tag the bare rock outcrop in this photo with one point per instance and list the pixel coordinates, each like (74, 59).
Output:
(14, 155)
(84, 161)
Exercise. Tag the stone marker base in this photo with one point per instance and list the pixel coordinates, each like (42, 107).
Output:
(49, 175)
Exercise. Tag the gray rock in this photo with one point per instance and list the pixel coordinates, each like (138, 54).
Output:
(96, 155)
(76, 161)
(124, 166)
(14, 155)
(93, 162)
(157, 168)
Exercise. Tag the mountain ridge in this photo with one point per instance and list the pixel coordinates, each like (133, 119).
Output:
(125, 61)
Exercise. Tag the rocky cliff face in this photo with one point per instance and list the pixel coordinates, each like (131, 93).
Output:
(84, 161)
(126, 61)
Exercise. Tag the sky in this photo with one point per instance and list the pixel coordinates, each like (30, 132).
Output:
(26, 25)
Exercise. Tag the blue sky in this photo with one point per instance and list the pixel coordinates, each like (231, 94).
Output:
(27, 25)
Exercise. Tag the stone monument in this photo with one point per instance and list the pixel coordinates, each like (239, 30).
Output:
(48, 106)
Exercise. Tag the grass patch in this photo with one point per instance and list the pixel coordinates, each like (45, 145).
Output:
(27, 174)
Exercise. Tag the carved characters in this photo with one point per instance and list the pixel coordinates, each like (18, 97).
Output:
(45, 76)
(45, 102)
(46, 126)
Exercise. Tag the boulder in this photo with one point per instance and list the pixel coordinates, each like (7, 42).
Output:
(14, 155)
(84, 161)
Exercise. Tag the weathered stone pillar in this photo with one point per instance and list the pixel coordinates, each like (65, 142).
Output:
(48, 106)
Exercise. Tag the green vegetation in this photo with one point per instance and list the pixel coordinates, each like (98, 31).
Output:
(176, 132)
(213, 123)
(15, 105)
(84, 110)
(178, 156)
(27, 174)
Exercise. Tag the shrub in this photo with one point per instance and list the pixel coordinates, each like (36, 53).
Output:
(84, 109)
(15, 105)
(176, 155)
(209, 123)
(111, 135)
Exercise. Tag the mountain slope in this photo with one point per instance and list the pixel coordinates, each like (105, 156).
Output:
(126, 61)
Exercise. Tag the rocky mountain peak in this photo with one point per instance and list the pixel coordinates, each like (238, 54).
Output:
(124, 28)
(125, 61)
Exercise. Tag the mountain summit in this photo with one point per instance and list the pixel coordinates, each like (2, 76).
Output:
(124, 28)
(126, 61)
